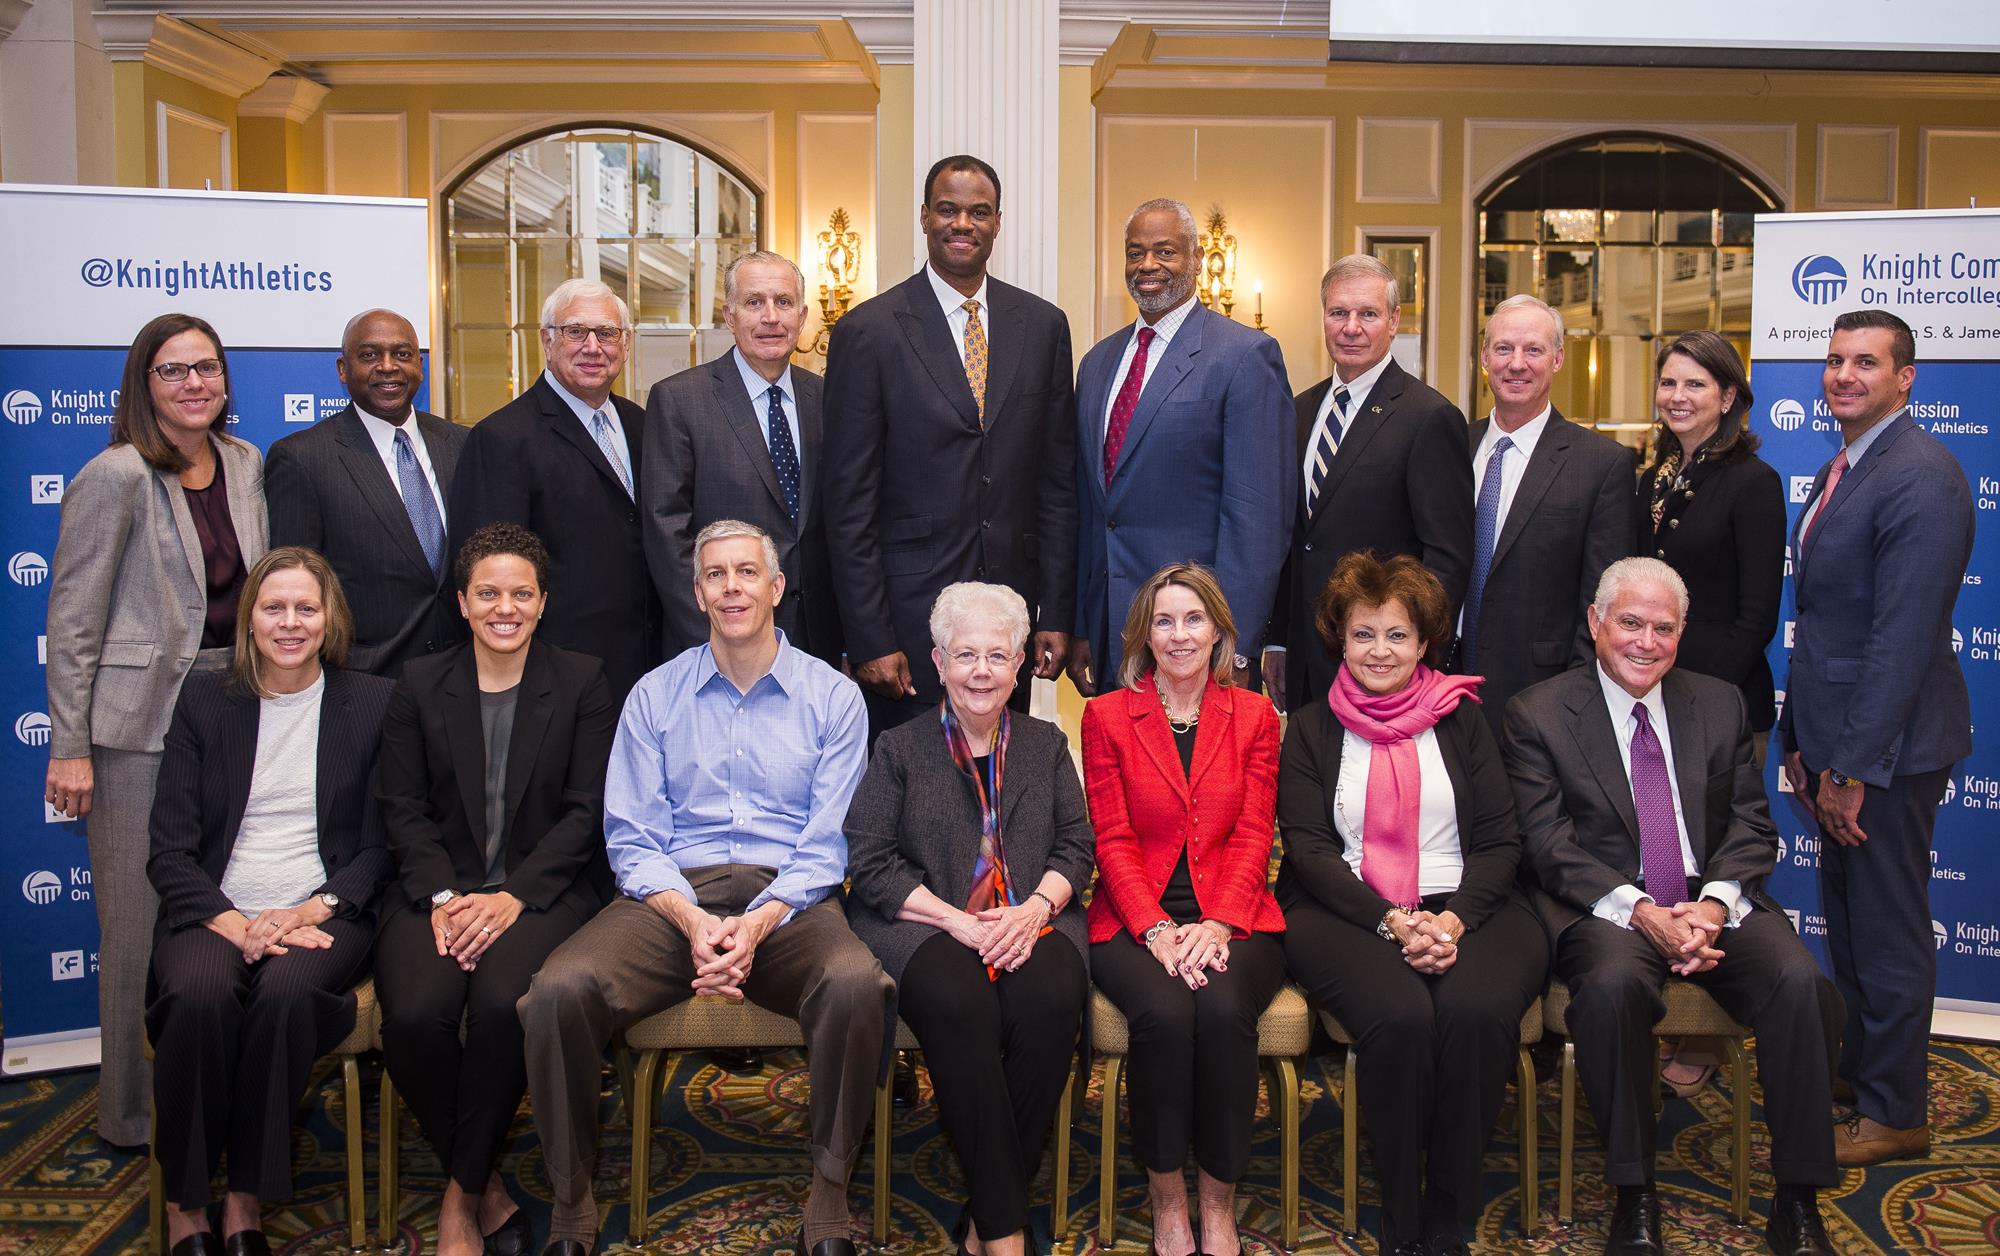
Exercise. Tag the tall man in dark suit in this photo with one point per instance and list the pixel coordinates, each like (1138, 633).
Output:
(1645, 840)
(950, 433)
(367, 488)
(1381, 468)
(1552, 507)
(739, 438)
(563, 460)
(1876, 713)
(1183, 453)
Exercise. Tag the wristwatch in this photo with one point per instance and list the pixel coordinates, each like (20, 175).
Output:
(1242, 663)
(1046, 899)
(1382, 929)
(1839, 777)
(330, 901)
(442, 897)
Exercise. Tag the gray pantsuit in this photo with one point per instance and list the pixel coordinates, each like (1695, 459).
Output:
(121, 808)
(629, 963)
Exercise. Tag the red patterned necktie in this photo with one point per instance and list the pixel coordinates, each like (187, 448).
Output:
(1833, 474)
(1127, 402)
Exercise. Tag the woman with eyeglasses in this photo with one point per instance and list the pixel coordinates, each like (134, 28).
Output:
(157, 532)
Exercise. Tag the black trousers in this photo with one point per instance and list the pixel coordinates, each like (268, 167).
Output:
(1766, 980)
(999, 1055)
(1434, 1054)
(1877, 898)
(233, 1044)
(463, 1093)
(1193, 1055)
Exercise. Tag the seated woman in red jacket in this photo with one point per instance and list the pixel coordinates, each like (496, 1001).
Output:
(1182, 774)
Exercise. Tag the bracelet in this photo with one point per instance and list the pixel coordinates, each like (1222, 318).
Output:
(1382, 926)
(1157, 930)
(1053, 909)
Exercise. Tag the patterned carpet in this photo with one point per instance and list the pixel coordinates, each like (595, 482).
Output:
(730, 1173)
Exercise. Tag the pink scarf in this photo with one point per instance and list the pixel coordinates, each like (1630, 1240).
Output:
(1390, 722)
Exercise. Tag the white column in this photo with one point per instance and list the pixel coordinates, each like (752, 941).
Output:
(55, 95)
(986, 84)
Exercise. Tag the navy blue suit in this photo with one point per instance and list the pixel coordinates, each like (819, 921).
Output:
(1205, 475)
(1876, 692)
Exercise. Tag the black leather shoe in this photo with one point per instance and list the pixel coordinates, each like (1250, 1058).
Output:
(962, 1228)
(1635, 1224)
(838, 1245)
(201, 1244)
(246, 1243)
(512, 1237)
(1795, 1229)
(744, 1061)
(568, 1247)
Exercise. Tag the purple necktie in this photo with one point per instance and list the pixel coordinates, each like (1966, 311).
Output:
(1653, 797)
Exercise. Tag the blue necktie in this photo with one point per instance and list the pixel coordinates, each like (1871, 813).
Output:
(1485, 530)
(417, 499)
(600, 427)
(1325, 447)
(784, 456)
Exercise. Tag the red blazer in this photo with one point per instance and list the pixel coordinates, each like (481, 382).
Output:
(1145, 810)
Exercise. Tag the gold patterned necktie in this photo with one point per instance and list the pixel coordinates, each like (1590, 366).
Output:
(975, 357)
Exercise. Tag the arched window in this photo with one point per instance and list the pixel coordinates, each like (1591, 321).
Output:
(1632, 237)
(652, 217)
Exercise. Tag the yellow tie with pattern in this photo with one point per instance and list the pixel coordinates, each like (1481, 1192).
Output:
(975, 357)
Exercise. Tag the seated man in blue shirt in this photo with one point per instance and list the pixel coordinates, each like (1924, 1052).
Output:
(729, 779)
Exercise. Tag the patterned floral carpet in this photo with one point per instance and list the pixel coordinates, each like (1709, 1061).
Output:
(730, 1173)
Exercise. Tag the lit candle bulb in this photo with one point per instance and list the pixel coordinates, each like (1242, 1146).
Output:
(1257, 290)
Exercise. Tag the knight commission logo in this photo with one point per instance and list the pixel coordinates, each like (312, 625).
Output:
(1787, 415)
(28, 569)
(21, 406)
(1939, 934)
(1819, 279)
(1957, 641)
(41, 888)
(32, 729)
(1950, 792)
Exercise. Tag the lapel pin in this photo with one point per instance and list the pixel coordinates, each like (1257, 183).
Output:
(1374, 409)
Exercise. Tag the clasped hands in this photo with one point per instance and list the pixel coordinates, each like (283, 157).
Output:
(275, 930)
(1004, 936)
(722, 947)
(1191, 950)
(1683, 934)
(465, 926)
(1429, 939)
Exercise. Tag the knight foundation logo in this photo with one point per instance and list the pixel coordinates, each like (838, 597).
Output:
(1787, 415)
(21, 406)
(28, 569)
(1819, 279)
(41, 887)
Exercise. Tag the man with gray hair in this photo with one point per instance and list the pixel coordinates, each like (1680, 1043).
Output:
(740, 438)
(728, 783)
(562, 460)
(1382, 467)
(1183, 447)
(1553, 505)
(1646, 838)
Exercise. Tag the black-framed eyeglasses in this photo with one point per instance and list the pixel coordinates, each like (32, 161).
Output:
(577, 333)
(175, 372)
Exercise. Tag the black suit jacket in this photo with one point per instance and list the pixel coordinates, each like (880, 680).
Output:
(204, 786)
(533, 462)
(1397, 485)
(1725, 534)
(1571, 517)
(327, 489)
(1579, 830)
(706, 459)
(1314, 867)
(918, 495)
(431, 781)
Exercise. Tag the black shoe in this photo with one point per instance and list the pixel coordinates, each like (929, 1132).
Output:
(838, 1245)
(747, 1061)
(1795, 1228)
(512, 1237)
(1635, 1224)
(246, 1243)
(903, 1088)
(961, 1228)
(199, 1244)
(568, 1247)
(1449, 1247)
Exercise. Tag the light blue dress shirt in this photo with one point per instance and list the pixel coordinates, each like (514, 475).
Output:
(759, 389)
(583, 413)
(702, 775)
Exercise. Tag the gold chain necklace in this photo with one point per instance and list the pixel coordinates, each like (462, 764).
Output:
(1178, 725)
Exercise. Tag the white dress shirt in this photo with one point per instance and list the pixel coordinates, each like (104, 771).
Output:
(760, 401)
(583, 412)
(1163, 335)
(1617, 906)
(383, 433)
(1357, 396)
(957, 315)
(1440, 856)
(1512, 468)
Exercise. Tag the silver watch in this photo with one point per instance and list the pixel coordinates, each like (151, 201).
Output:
(442, 897)
(330, 901)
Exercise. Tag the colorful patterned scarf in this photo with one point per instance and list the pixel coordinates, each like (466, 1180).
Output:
(989, 875)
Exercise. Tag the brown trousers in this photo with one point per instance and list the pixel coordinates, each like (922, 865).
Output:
(629, 963)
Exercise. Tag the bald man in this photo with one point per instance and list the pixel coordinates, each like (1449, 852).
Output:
(367, 488)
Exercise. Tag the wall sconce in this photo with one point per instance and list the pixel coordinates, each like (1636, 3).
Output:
(1257, 288)
(1218, 265)
(839, 267)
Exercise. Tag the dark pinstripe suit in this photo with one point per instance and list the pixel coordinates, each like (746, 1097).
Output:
(233, 1042)
(327, 488)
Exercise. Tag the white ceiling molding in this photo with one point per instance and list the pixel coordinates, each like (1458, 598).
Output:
(188, 51)
(288, 96)
(1083, 39)
(11, 13)
(891, 38)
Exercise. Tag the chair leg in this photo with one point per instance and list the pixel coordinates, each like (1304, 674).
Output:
(1566, 1137)
(1350, 1150)
(357, 1172)
(1739, 1094)
(642, 1084)
(621, 1059)
(156, 1205)
(882, 1118)
(1059, 1192)
(388, 1188)
(1107, 1157)
(1531, 1203)
(1285, 1098)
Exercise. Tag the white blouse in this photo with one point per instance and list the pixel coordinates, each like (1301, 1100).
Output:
(1440, 859)
(275, 862)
